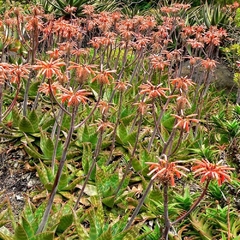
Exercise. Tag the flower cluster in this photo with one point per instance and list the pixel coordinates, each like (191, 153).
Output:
(211, 171)
(166, 171)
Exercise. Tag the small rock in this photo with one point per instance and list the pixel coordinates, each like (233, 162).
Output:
(19, 198)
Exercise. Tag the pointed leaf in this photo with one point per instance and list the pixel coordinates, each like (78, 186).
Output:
(26, 126)
(27, 227)
(33, 118)
(32, 152)
(15, 117)
(44, 236)
(81, 231)
(20, 233)
(65, 222)
(63, 181)
(46, 145)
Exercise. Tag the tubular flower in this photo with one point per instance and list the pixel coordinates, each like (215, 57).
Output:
(166, 171)
(142, 107)
(49, 68)
(74, 98)
(153, 91)
(103, 77)
(182, 103)
(102, 126)
(19, 71)
(210, 171)
(209, 64)
(182, 83)
(183, 122)
(122, 86)
(104, 107)
(82, 71)
(46, 89)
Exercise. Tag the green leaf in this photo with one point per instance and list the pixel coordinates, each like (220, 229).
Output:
(27, 227)
(47, 147)
(122, 131)
(42, 174)
(47, 123)
(38, 214)
(34, 88)
(65, 222)
(131, 138)
(106, 235)
(109, 201)
(85, 134)
(15, 117)
(136, 164)
(44, 236)
(26, 126)
(63, 181)
(81, 231)
(87, 156)
(33, 118)
(32, 152)
(20, 233)
(73, 184)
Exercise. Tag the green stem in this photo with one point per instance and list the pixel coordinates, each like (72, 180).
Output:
(167, 224)
(58, 175)
(131, 158)
(115, 128)
(97, 150)
(139, 205)
(193, 206)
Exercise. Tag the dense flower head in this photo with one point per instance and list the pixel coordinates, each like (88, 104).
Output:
(142, 107)
(47, 89)
(184, 122)
(4, 70)
(122, 86)
(209, 64)
(182, 83)
(82, 71)
(211, 171)
(19, 71)
(74, 98)
(166, 171)
(104, 107)
(153, 91)
(104, 76)
(159, 62)
(49, 68)
(103, 125)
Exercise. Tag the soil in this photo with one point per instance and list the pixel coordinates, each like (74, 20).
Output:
(17, 178)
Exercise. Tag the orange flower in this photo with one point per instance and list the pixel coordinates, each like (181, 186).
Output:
(158, 62)
(19, 71)
(49, 68)
(209, 64)
(153, 91)
(103, 125)
(122, 86)
(209, 171)
(182, 103)
(166, 171)
(182, 83)
(183, 122)
(4, 68)
(103, 77)
(44, 88)
(74, 98)
(104, 107)
(142, 107)
(82, 71)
